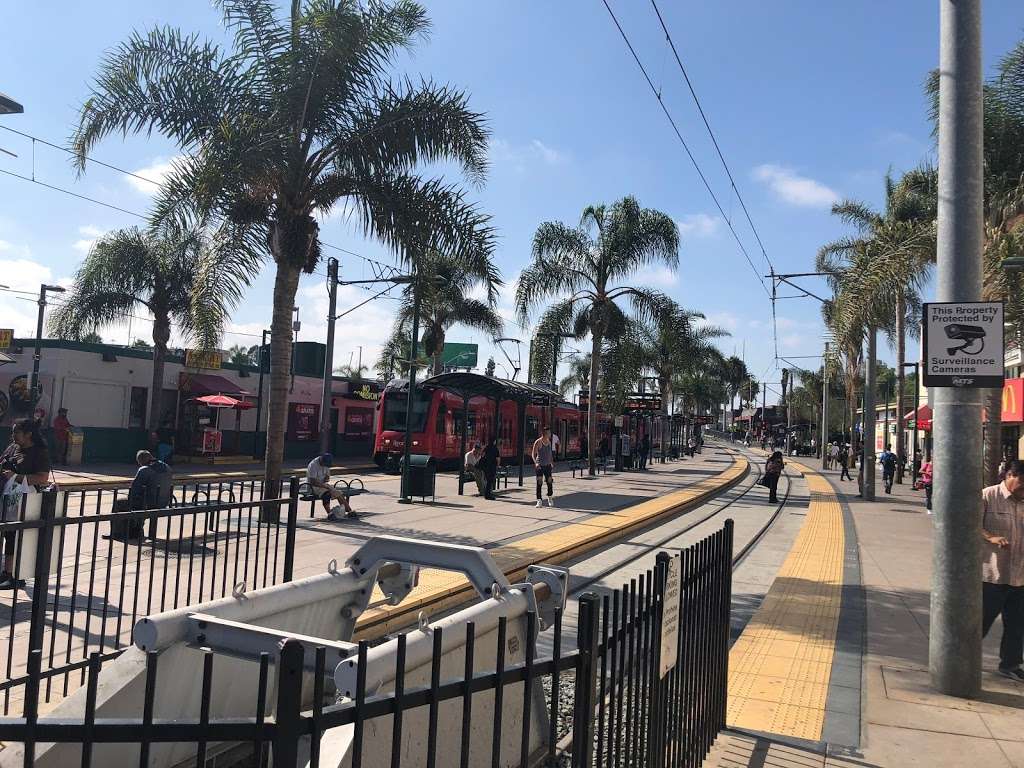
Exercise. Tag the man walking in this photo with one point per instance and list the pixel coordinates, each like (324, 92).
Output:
(473, 467)
(1002, 589)
(543, 463)
(844, 461)
(833, 455)
(888, 461)
(645, 450)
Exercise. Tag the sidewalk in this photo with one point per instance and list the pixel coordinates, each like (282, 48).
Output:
(903, 722)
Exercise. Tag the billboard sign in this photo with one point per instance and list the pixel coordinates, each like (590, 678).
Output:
(459, 355)
(203, 358)
(6, 338)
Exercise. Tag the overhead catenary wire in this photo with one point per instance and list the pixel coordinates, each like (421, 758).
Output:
(686, 148)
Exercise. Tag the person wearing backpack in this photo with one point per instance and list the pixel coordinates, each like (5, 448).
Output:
(888, 461)
(772, 472)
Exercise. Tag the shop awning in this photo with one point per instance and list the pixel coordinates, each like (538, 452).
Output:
(224, 401)
(199, 384)
(923, 417)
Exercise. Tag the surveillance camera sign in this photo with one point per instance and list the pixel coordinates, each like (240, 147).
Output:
(963, 344)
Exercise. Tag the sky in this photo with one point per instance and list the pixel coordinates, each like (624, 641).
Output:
(810, 102)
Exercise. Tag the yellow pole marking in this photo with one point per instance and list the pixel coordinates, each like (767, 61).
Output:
(780, 667)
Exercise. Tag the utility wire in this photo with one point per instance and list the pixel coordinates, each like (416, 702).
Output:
(682, 141)
(711, 133)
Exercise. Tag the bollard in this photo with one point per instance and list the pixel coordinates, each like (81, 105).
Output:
(289, 535)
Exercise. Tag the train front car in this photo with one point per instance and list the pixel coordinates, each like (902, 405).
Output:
(389, 441)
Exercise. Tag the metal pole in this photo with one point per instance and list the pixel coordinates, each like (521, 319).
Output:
(824, 409)
(326, 438)
(462, 443)
(256, 452)
(888, 397)
(917, 405)
(33, 390)
(868, 421)
(954, 648)
(404, 497)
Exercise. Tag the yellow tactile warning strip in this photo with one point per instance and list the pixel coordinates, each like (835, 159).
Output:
(442, 590)
(779, 668)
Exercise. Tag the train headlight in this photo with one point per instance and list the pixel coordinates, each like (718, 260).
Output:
(415, 442)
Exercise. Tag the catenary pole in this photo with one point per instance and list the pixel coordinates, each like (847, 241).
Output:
(868, 418)
(954, 643)
(404, 496)
(824, 408)
(326, 438)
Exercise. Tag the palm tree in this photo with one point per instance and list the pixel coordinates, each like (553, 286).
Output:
(352, 372)
(584, 268)
(578, 378)
(239, 355)
(444, 299)
(897, 248)
(736, 374)
(300, 116)
(159, 272)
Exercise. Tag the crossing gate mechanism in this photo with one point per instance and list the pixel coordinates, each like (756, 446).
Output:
(247, 631)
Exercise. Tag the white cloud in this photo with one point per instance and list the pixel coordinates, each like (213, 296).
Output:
(655, 277)
(89, 234)
(152, 175)
(793, 188)
(698, 225)
(519, 156)
(724, 319)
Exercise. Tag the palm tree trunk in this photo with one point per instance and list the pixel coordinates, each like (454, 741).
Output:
(286, 282)
(595, 363)
(438, 364)
(666, 392)
(992, 447)
(161, 335)
(901, 355)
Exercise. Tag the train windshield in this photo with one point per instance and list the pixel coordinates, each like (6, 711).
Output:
(394, 411)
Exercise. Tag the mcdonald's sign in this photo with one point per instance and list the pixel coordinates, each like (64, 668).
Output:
(1013, 400)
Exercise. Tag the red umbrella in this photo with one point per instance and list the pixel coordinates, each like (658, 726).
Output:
(223, 401)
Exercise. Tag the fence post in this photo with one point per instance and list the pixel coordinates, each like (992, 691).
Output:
(289, 535)
(658, 698)
(41, 577)
(288, 719)
(587, 641)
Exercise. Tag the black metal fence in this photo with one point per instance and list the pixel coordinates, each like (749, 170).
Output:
(626, 709)
(85, 573)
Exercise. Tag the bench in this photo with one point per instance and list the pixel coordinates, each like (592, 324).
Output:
(348, 489)
(583, 466)
(501, 477)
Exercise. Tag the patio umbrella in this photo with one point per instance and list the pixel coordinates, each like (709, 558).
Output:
(224, 401)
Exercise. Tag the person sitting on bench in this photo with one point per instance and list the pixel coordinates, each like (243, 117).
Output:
(318, 472)
(151, 488)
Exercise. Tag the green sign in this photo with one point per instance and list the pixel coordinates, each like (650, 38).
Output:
(458, 355)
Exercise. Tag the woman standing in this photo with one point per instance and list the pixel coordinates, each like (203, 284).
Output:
(772, 473)
(26, 459)
(925, 481)
(489, 464)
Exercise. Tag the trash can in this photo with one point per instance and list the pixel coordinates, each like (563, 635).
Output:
(422, 475)
(76, 445)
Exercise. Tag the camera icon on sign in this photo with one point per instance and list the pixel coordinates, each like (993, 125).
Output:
(969, 335)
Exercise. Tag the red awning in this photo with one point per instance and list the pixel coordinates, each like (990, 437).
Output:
(923, 417)
(223, 401)
(208, 384)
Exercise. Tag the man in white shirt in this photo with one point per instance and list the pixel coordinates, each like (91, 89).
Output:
(556, 444)
(318, 473)
(472, 459)
(833, 455)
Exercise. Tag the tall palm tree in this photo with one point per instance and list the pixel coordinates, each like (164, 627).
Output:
(445, 300)
(159, 272)
(899, 245)
(301, 115)
(584, 268)
(735, 374)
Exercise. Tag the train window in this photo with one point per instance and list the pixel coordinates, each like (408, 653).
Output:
(442, 411)
(394, 411)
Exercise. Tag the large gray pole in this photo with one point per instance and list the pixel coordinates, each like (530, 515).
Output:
(954, 647)
(824, 409)
(868, 421)
(326, 437)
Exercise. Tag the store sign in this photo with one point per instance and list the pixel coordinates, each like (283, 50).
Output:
(6, 338)
(303, 421)
(963, 344)
(1013, 400)
(203, 358)
(366, 393)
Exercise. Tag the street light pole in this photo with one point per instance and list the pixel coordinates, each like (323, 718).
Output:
(824, 408)
(954, 642)
(34, 388)
(326, 438)
(404, 497)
